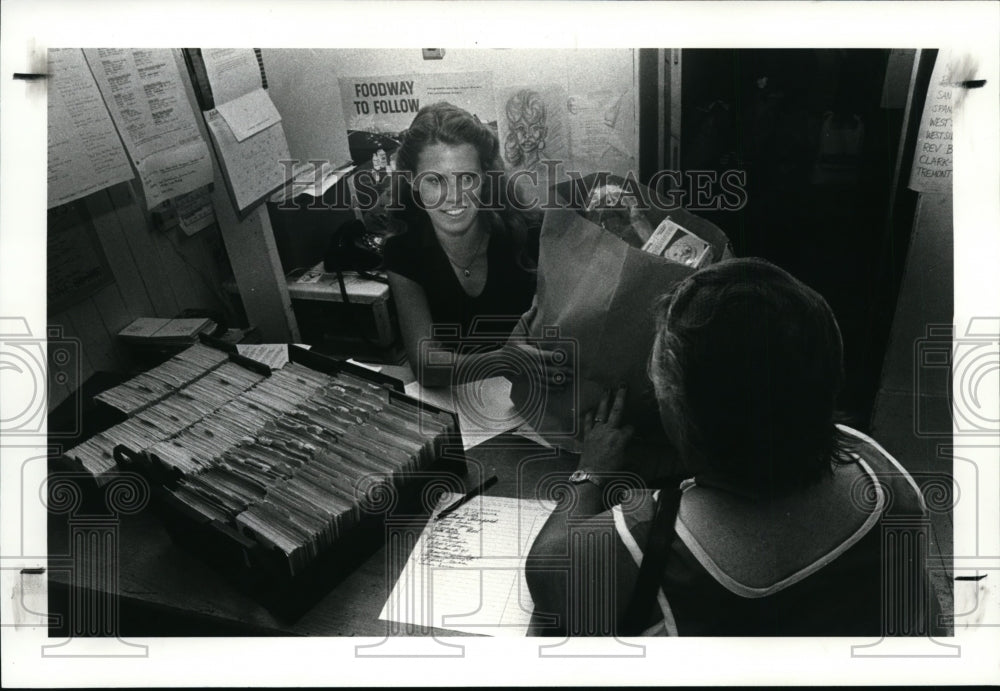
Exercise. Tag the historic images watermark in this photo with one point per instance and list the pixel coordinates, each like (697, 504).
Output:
(526, 190)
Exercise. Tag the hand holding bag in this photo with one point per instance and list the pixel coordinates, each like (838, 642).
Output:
(594, 298)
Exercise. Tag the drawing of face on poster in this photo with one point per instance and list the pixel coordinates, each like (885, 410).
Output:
(526, 129)
(532, 126)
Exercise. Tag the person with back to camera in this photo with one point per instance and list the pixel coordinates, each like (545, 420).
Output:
(465, 252)
(779, 528)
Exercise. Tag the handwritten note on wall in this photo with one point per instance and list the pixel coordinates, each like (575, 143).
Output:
(144, 93)
(85, 154)
(253, 168)
(932, 159)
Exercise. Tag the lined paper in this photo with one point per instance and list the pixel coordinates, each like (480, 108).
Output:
(145, 96)
(84, 151)
(466, 572)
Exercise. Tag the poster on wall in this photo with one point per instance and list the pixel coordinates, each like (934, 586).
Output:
(377, 109)
(598, 129)
(533, 129)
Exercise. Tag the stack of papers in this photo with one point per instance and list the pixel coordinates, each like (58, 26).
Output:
(306, 178)
(155, 331)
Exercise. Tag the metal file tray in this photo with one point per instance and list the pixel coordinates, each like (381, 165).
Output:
(289, 581)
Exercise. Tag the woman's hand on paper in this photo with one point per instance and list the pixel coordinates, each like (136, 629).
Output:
(605, 437)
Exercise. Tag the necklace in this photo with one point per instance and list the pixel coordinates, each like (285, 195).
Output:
(467, 269)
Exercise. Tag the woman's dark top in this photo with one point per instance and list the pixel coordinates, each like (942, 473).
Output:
(509, 290)
(872, 582)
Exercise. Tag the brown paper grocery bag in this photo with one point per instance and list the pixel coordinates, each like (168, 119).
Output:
(594, 301)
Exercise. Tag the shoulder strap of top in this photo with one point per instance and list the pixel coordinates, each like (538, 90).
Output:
(654, 559)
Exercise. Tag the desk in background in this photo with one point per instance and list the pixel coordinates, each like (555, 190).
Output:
(318, 286)
(325, 321)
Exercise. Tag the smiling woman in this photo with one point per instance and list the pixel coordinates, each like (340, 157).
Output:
(465, 264)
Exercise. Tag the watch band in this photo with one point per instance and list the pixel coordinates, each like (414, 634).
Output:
(578, 477)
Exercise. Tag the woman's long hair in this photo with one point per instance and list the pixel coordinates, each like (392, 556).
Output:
(444, 123)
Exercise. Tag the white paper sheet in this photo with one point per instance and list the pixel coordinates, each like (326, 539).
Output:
(85, 153)
(195, 211)
(143, 91)
(232, 72)
(528, 432)
(308, 180)
(466, 571)
(532, 125)
(484, 407)
(274, 355)
(387, 103)
(169, 173)
(594, 127)
(253, 166)
(934, 153)
(373, 368)
(249, 114)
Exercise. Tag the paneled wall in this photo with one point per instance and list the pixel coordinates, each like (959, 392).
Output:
(157, 273)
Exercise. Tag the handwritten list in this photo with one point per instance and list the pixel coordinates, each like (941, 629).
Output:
(253, 168)
(144, 93)
(932, 160)
(466, 572)
(84, 152)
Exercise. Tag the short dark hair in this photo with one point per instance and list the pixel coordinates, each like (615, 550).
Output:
(751, 362)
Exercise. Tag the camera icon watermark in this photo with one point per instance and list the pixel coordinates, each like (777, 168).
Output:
(542, 371)
(966, 370)
(28, 365)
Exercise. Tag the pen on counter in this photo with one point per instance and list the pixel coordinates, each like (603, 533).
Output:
(475, 491)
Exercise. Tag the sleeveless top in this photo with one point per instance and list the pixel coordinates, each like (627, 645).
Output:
(509, 290)
(746, 574)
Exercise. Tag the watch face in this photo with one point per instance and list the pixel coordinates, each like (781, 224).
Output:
(578, 476)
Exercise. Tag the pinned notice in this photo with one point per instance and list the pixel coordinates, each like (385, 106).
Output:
(85, 154)
(143, 91)
(245, 126)
(249, 114)
(932, 159)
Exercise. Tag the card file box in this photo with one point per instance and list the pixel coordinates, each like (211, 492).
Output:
(283, 480)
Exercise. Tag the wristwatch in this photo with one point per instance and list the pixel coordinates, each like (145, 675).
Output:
(580, 476)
